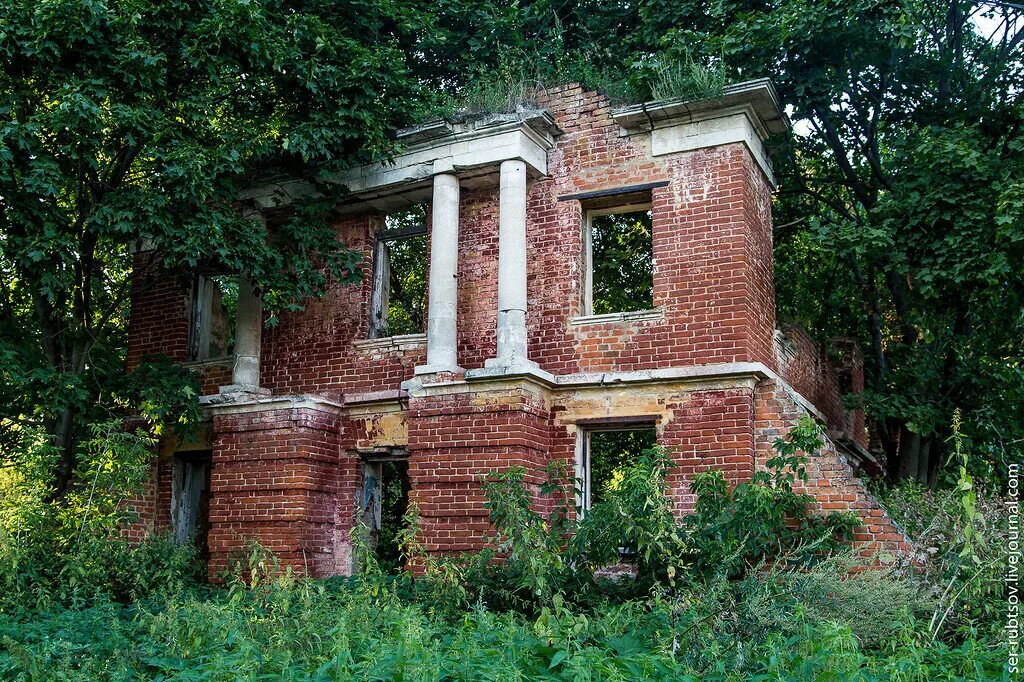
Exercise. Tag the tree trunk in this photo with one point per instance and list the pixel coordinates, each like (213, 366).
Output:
(61, 433)
(909, 454)
(924, 461)
(938, 453)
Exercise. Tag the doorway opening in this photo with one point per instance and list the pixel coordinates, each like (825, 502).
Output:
(385, 502)
(605, 454)
(190, 499)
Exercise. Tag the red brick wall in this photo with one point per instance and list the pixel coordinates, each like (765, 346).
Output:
(282, 478)
(709, 429)
(158, 320)
(831, 480)
(711, 226)
(454, 441)
(712, 250)
(824, 381)
(760, 262)
(289, 477)
(312, 351)
(152, 506)
(712, 246)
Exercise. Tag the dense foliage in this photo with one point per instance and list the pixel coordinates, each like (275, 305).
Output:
(623, 268)
(900, 221)
(546, 611)
(148, 124)
(126, 124)
(352, 631)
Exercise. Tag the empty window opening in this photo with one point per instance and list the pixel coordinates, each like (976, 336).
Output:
(385, 501)
(620, 260)
(213, 312)
(190, 499)
(604, 457)
(400, 275)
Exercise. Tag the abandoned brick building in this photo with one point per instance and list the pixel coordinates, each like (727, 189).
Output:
(494, 328)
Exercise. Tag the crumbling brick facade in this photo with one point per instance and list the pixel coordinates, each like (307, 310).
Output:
(706, 366)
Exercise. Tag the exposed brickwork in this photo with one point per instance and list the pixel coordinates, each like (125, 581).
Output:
(455, 441)
(290, 477)
(158, 324)
(710, 225)
(152, 505)
(831, 479)
(158, 320)
(824, 380)
(712, 246)
(312, 351)
(709, 429)
(278, 477)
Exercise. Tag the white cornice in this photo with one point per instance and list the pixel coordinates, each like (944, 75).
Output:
(471, 149)
(745, 113)
(758, 94)
(221, 405)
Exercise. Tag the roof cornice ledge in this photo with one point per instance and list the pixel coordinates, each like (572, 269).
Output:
(747, 112)
(472, 148)
(757, 96)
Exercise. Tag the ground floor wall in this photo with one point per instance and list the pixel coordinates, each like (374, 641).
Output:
(288, 472)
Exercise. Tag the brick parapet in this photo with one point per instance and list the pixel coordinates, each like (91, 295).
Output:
(822, 379)
(832, 482)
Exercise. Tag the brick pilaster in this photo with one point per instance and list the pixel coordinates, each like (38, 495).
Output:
(455, 441)
(281, 477)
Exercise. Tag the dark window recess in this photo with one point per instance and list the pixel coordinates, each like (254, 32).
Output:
(621, 262)
(190, 499)
(214, 308)
(385, 501)
(400, 275)
(606, 455)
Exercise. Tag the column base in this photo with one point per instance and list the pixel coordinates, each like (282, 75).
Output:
(437, 369)
(244, 390)
(515, 364)
(495, 368)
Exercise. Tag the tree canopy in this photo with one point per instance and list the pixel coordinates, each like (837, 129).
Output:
(141, 123)
(899, 218)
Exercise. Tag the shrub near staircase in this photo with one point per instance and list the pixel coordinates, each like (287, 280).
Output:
(751, 586)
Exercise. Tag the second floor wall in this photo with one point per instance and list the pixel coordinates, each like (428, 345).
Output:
(711, 297)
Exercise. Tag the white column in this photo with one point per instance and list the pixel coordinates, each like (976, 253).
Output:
(245, 376)
(512, 267)
(442, 336)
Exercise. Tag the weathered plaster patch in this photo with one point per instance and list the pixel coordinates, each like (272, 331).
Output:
(388, 429)
(626, 401)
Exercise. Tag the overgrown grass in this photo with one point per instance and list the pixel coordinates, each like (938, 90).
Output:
(687, 78)
(520, 79)
(735, 591)
(370, 629)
